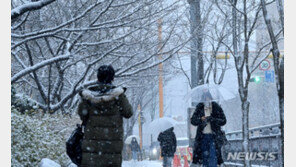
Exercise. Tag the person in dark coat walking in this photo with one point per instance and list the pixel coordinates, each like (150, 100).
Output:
(209, 117)
(168, 145)
(103, 106)
(135, 148)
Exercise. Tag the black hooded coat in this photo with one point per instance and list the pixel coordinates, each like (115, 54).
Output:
(135, 146)
(105, 106)
(217, 119)
(168, 142)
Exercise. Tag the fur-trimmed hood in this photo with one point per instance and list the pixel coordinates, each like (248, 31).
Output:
(101, 93)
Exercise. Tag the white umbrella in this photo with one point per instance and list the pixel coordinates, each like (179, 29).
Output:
(161, 124)
(128, 140)
(217, 92)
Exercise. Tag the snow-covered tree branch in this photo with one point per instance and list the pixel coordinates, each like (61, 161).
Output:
(20, 10)
(121, 33)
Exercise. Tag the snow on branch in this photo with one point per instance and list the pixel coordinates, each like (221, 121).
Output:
(37, 66)
(122, 34)
(56, 28)
(143, 68)
(20, 10)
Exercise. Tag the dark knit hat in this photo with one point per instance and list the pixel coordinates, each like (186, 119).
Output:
(105, 74)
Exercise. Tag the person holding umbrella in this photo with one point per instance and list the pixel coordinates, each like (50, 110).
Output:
(168, 145)
(209, 117)
(135, 148)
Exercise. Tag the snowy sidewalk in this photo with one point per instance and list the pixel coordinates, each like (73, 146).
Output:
(145, 163)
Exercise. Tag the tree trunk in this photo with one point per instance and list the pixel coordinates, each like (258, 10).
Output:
(279, 74)
(280, 8)
(243, 88)
(197, 70)
(245, 131)
(281, 107)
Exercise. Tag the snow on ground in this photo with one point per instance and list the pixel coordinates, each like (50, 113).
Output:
(145, 163)
(45, 162)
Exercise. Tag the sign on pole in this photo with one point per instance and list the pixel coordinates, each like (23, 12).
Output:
(269, 76)
(265, 65)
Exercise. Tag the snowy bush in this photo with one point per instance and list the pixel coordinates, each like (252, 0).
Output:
(21, 102)
(36, 137)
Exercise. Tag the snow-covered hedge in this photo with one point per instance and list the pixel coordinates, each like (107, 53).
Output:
(36, 137)
(22, 103)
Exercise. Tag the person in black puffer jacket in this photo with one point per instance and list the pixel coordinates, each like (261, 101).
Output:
(104, 106)
(168, 145)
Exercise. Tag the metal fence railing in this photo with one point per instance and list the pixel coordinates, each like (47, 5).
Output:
(264, 140)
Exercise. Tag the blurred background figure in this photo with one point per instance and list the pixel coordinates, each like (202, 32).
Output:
(168, 145)
(135, 148)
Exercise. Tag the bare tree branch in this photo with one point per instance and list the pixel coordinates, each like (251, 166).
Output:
(20, 10)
